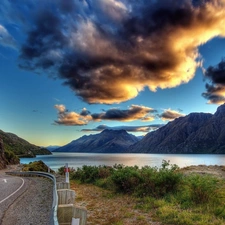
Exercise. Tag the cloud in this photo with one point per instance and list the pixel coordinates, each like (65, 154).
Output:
(215, 90)
(134, 112)
(169, 114)
(109, 51)
(145, 129)
(56, 99)
(85, 112)
(6, 39)
(70, 118)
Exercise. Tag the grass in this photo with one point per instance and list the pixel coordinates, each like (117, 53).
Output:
(108, 208)
(129, 195)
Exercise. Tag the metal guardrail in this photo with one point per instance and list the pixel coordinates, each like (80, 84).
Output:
(54, 219)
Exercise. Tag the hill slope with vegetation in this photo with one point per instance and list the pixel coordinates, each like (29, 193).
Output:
(7, 157)
(2, 156)
(21, 147)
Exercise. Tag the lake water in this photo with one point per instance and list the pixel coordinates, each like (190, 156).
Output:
(76, 160)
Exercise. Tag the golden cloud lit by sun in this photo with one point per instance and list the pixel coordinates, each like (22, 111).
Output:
(109, 51)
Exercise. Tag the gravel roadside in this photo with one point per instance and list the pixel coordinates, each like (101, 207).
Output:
(33, 207)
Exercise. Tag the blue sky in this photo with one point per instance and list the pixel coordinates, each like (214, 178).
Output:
(73, 68)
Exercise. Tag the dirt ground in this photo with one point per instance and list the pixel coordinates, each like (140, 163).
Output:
(218, 171)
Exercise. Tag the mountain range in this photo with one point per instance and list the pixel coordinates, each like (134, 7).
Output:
(108, 141)
(196, 133)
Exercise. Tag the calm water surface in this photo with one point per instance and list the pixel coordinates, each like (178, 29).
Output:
(75, 160)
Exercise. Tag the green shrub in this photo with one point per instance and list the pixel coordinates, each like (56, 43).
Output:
(61, 170)
(90, 174)
(159, 182)
(36, 166)
(219, 211)
(203, 189)
(126, 179)
(104, 171)
(147, 181)
(11, 157)
(105, 183)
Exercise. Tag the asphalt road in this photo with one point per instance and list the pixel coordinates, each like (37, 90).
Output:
(10, 189)
(25, 200)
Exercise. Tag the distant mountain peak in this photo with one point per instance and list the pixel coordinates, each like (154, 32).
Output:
(113, 131)
(195, 117)
(220, 110)
(108, 141)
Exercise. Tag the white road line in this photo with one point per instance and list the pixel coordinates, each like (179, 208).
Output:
(5, 180)
(14, 191)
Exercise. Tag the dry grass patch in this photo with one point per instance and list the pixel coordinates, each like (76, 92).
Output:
(106, 208)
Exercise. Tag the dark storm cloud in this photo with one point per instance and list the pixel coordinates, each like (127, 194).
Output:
(109, 51)
(215, 90)
(42, 49)
(146, 128)
(170, 114)
(67, 6)
(85, 112)
(217, 73)
(134, 112)
(215, 94)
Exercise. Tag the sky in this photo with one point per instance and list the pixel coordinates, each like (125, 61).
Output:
(70, 68)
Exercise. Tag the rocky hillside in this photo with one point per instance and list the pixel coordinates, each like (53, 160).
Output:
(194, 133)
(108, 141)
(21, 147)
(7, 157)
(3, 161)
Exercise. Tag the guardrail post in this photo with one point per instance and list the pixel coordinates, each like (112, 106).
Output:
(68, 212)
(81, 214)
(67, 173)
(63, 185)
(66, 196)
